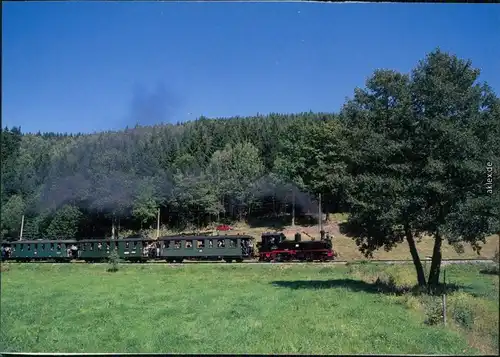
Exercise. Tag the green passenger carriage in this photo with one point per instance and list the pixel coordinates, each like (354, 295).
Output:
(61, 250)
(131, 249)
(227, 247)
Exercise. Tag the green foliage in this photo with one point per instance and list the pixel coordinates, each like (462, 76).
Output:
(114, 260)
(433, 312)
(65, 223)
(416, 157)
(34, 227)
(463, 315)
(12, 212)
(145, 203)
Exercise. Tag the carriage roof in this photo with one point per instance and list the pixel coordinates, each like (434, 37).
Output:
(195, 237)
(31, 241)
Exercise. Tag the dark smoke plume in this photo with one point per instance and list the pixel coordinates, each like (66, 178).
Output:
(152, 107)
(93, 174)
(269, 185)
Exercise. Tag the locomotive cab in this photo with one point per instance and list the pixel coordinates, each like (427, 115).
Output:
(271, 241)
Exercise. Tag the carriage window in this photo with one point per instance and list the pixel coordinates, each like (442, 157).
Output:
(210, 243)
(189, 244)
(83, 247)
(21, 246)
(107, 245)
(28, 246)
(51, 246)
(58, 246)
(200, 243)
(127, 245)
(177, 244)
(43, 246)
(36, 246)
(221, 243)
(135, 244)
(166, 244)
(232, 243)
(91, 246)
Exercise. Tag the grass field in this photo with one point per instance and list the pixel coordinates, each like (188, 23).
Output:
(241, 309)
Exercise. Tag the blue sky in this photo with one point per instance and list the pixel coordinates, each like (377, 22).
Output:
(86, 66)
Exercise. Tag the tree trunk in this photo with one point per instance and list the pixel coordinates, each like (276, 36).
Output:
(416, 259)
(433, 280)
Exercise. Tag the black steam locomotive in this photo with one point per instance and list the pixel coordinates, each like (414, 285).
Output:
(275, 247)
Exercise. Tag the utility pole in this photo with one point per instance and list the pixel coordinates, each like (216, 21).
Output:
(158, 224)
(113, 227)
(320, 215)
(444, 298)
(22, 227)
(293, 207)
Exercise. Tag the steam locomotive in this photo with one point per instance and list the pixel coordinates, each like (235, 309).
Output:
(275, 247)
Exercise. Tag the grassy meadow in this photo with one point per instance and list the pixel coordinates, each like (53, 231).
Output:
(320, 309)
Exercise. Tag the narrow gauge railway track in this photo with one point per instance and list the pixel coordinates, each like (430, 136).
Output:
(256, 262)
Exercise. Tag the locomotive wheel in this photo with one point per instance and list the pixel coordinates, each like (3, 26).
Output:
(239, 260)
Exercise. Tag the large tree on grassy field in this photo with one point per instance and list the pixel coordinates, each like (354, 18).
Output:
(417, 156)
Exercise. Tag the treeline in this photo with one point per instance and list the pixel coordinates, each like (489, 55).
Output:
(209, 170)
(410, 155)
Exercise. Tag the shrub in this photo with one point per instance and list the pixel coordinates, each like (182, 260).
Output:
(433, 312)
(462, 310)
(463, 316)
(386, 282)
(113, 260)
